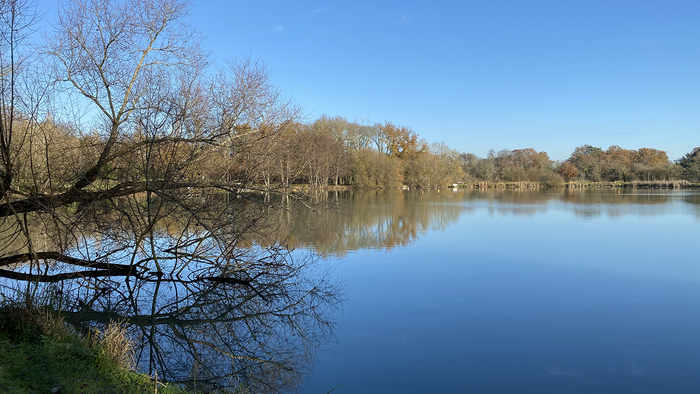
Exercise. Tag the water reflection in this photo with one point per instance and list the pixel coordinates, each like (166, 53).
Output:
(223, 303)
(208, 333)
(382, 219)
(214, 303)
(526, 292)
(385, 219)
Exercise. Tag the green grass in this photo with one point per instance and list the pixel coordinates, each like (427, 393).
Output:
(41, 354)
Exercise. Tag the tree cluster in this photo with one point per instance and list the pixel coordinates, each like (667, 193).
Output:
(519, 165)
(586, 163)
(386, 155)
(618, 164)
(335, 151)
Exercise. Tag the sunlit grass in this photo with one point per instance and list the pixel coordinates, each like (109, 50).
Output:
(41, 354)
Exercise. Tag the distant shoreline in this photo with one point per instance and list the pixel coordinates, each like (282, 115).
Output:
(526, 186)
(678, 184)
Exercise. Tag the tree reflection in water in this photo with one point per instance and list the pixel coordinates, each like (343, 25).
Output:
(213, 298)
(387, 219)
(223, 308)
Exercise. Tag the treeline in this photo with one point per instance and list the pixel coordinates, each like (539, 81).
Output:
(586, 163)
(332, 151)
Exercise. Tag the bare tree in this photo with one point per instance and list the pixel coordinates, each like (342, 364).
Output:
(122, 57)
(17, 110)
(245, 100)
(137, 70)
(129, 185)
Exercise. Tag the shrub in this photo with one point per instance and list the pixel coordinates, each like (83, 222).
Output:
(551, 179)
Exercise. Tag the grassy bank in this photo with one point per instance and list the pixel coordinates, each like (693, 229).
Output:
(41, 354)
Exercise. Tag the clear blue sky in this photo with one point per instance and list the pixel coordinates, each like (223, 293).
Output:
(551, 75)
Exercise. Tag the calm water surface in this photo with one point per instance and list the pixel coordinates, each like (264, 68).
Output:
(506, 291)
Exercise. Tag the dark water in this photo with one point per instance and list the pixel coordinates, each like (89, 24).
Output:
(505, 291)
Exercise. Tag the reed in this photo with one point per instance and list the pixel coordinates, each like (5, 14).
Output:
(673, 184)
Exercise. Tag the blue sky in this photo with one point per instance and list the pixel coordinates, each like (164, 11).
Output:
(551, 75)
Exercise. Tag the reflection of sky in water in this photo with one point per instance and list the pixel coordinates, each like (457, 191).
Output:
(592, 204)
(547, 296)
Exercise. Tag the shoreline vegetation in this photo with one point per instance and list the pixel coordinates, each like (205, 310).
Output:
(41, 353)
(331, 152)
(524, 185)
(682, 184)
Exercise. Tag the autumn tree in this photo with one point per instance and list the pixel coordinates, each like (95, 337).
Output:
(336, 127)
(372, 169)
(586, 159)
(450, 166)
(422, 170)
(400, 141)
(650, 156)
(359, 135)
(618, 164)
(334, 137)
(653, 164)
(479, 168)
(568, 171)
(523, 165)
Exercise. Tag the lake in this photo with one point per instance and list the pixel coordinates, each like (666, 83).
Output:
(500, 291)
